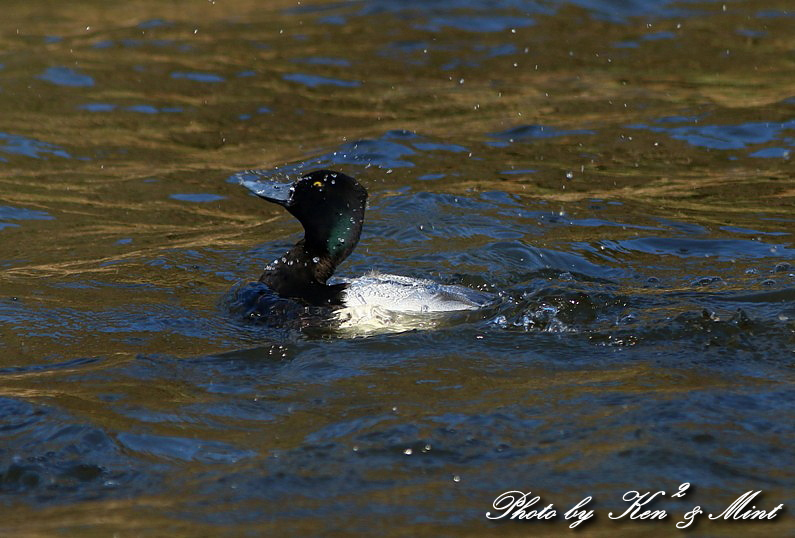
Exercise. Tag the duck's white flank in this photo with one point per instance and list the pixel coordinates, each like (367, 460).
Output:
(381, 302)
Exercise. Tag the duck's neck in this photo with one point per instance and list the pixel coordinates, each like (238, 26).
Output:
(301, 273)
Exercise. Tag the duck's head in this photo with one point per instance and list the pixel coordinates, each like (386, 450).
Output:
(330, 206)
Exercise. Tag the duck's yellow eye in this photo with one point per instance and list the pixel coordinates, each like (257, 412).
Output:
(317, 184)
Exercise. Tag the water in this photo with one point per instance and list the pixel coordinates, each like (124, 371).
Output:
(619, 174)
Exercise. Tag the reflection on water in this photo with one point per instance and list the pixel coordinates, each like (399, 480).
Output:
(727, 136)
(19, 145)
(63, 76)
(618, 174)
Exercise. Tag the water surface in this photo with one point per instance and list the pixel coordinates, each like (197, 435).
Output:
(618, 173)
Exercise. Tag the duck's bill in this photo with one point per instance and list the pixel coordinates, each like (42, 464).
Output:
(278, 193)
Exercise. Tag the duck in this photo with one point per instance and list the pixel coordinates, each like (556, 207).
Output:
(330, 206)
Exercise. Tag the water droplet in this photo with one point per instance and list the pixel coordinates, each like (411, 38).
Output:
(315, 259)
(569, 175)
(407, 452)
(456, 478)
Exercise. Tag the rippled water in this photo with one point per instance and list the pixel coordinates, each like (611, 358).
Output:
(618, 173)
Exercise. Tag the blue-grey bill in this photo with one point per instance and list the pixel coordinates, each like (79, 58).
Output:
(270, 190)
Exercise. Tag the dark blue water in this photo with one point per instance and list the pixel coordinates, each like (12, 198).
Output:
(618, 175)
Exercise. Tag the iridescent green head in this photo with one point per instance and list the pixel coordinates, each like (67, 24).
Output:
(330, 206)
